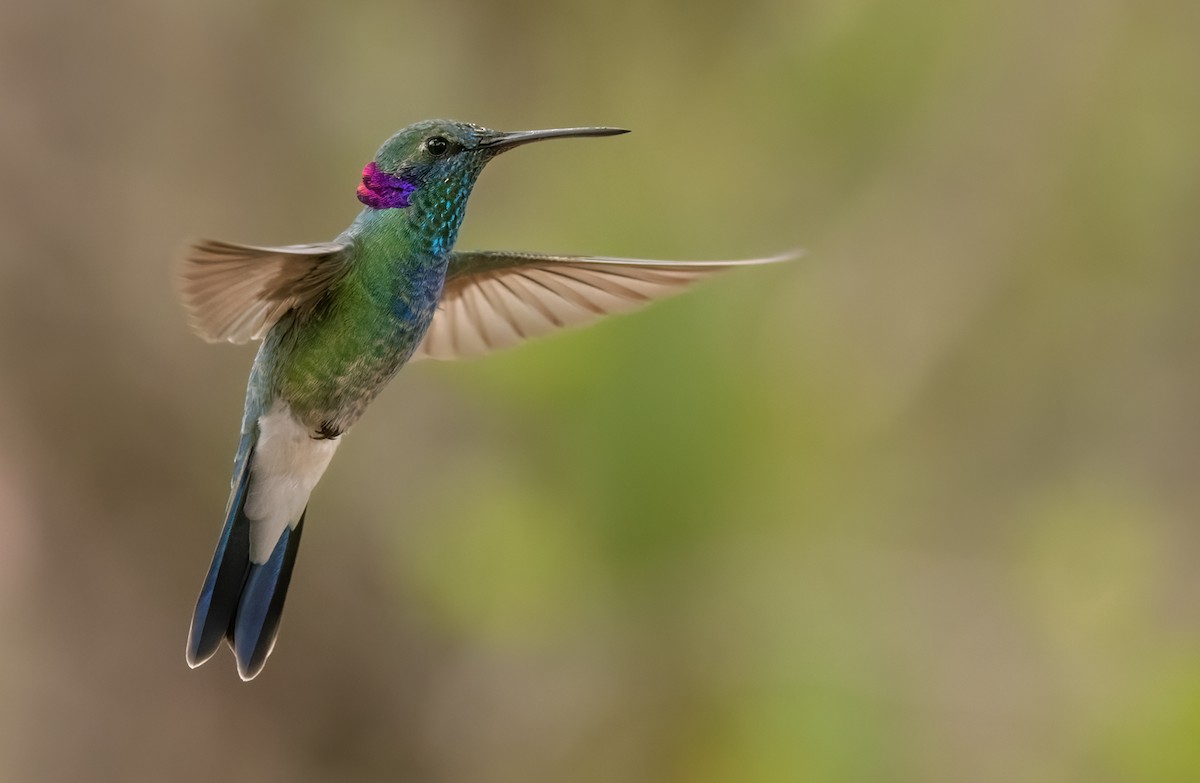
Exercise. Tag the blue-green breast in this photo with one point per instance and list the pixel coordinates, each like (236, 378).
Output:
(332, 363)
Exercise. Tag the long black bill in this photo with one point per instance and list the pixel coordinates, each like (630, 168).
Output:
(506, 141)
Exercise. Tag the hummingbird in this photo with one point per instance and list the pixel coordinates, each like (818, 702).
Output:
(338, 319)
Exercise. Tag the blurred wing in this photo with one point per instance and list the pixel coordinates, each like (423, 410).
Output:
(496, 300)
(238, 292)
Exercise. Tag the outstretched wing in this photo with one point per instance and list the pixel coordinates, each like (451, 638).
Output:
(238, 292)
(495, 300)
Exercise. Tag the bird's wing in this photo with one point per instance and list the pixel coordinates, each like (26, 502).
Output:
(238, 292)
(495, 300)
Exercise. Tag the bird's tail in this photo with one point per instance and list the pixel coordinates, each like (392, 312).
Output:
(242, 601)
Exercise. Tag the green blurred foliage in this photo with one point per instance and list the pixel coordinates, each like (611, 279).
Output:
(920, 507)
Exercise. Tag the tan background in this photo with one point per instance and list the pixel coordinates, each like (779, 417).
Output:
(921, 507)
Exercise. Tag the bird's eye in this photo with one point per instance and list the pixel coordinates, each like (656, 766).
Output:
(437, 146)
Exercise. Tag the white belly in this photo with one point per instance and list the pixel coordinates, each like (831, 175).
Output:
(285, 466)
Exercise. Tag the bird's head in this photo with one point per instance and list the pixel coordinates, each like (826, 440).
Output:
(438, 161)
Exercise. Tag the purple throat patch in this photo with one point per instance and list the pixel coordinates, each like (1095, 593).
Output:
(381, 190)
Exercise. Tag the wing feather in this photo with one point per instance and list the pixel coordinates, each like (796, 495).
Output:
(493, 301)
(238, 292)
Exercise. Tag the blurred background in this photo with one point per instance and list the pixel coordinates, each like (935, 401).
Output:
(919, 507)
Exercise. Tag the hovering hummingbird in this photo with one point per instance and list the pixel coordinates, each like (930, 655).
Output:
(337, 320)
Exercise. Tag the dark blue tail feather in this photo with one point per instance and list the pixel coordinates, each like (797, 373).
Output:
(218, 601)
(241, 601)
(257, 621)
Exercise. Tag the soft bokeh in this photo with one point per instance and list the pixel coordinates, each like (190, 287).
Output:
(921, 507)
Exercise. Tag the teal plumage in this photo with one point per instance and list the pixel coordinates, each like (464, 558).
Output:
(338, 320)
